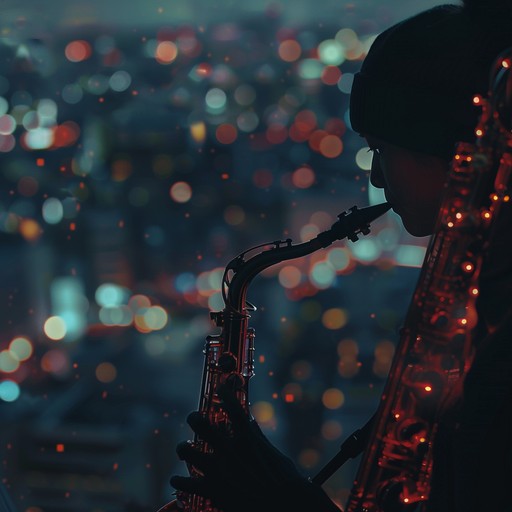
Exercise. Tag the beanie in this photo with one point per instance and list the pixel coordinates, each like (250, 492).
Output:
(416, 86)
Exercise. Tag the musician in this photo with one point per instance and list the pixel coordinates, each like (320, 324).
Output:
(412, 101)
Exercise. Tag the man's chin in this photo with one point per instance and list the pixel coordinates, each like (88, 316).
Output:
(417, 229)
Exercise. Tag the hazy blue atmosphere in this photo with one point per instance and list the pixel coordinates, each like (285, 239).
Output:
(39, 14)
(143, 145)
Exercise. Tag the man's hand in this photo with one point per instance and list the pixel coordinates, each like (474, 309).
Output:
(245, 471)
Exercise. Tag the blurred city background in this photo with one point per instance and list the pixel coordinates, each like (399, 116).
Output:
(143, 145)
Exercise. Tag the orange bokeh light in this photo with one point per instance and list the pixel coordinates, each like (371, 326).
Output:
(166, 52)
(226, 133)
(331, 146)
(77, 51)
(289, 50)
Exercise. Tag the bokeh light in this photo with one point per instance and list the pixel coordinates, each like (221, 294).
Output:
(289, 50)
(334, 318)
(55, 328)
(290, 276)
(181, 192)
(333, 398)
(166, 52)
(21, 348)
(78, 51)
(137, 162)
(9, 362)
(9, 391)
(106, 372)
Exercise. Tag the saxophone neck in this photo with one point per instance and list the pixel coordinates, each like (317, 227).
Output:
(350, 224)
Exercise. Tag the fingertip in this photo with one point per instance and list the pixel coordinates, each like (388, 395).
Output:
(181, 448)
(201, 426)
(175, 480)
(193, 415)
(194, 418)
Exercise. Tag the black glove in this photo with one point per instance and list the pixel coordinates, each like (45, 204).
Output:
(245, 472)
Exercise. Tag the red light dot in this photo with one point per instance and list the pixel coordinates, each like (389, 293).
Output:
(263, 178)
(306, 120)
(316, 138)
(226, 133)
(59, 447)
(77, 51)
(331, 146)
(289, 50)
(335, 126)
(166, 52)
(303, 177)
(276, 133)
(297, 134)
(204, 69)
(66, 134)
(331, 75)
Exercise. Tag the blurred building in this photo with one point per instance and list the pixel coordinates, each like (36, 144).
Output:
(138, 158)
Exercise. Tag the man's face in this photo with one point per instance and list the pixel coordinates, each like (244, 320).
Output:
(413, 183)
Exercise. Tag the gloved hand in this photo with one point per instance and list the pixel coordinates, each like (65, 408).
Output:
(246, 472)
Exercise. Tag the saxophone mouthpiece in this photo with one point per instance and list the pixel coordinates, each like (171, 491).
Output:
(354, 222)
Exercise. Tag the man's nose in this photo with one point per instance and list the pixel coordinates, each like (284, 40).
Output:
(376, 177)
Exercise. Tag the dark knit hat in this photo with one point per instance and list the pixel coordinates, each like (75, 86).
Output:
(417, 83)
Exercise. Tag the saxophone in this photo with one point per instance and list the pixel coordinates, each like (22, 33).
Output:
(435, 349)
(229, 355)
